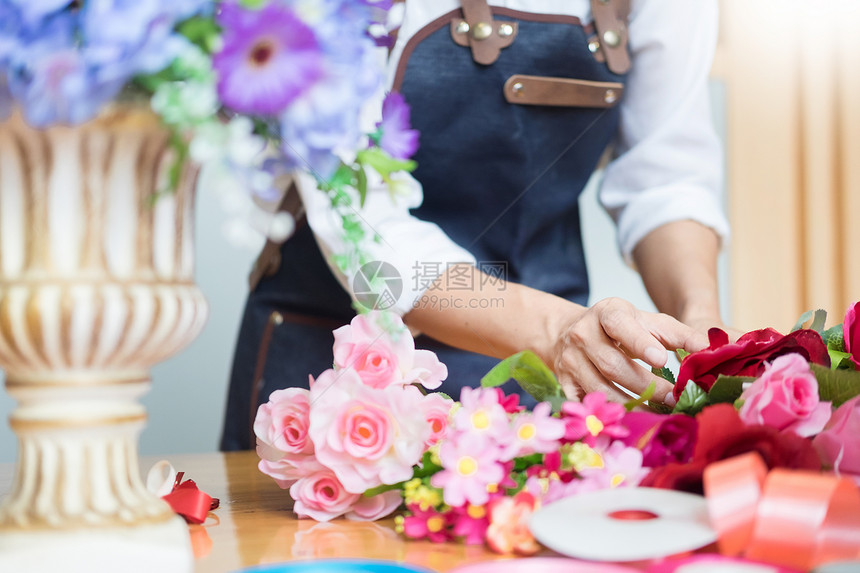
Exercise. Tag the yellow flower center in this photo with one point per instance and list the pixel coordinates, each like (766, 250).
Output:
(617, 480)
(467, 466)
(526, 432)
(583, 456)
(476, 511)
(435, 524)
(480, 420)
(594, 425)
(492, 487)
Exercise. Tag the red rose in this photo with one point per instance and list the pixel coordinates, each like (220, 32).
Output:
(851, 333)
(722, 435)
(747, 356)
(662, 439)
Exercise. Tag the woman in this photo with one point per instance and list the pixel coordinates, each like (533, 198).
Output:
(516, 105)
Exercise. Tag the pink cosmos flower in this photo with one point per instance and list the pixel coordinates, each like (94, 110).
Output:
(509, 524)
(367, 436)
(471, 464)
(321, 496)
(537, 432)
(621, 467)
(281, 425)
(380, 348)
(839, 445)
(481, 412)
(786, 397)
(851, 333)
(593, 417)
(436, 411)
(470, 523)
(427, 523)
(510, 402)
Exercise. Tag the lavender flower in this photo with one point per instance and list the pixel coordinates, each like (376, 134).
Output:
(397, 138)
(269, 58)
(33, 12)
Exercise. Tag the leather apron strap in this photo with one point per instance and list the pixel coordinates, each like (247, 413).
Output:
(269, 260)
(610, 21)
(479, 30)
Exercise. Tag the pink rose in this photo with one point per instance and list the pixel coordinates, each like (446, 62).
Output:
(785, 397)
(367, 436)
(321, 496)
(287, 471)
(838, 445)
(436, 410)
(281, 425)
(375, 507)
(851, 333)
(379, 347)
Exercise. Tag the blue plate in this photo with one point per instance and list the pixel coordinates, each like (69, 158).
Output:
(338, 566)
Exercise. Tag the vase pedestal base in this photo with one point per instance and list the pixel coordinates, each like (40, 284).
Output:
(153, 548)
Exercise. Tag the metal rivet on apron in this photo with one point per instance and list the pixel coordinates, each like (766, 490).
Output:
(482, 31)
(277, 318)
(612, 38)
(593, 46)
(463, 27)
(506, 30)
(517, 88)
(610, 96)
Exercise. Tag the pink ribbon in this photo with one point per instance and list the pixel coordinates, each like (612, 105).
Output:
(795, 518)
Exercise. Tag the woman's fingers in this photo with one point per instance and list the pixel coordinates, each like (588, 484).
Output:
(599, 348)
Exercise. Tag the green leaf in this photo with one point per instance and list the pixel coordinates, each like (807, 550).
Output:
(836, 386)
(833, 338)
(530, 373)
(681, 353)
(202, 31)
(727, 389)
(556, 402)
(693, 399)
(525, 462)
(382, 163)
(646, 395)
(819, 317)
(660, 408)
(664, 373)
(839, 360)
(342, 177)
(361, 185)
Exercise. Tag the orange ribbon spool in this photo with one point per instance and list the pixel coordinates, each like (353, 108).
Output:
(794, 518)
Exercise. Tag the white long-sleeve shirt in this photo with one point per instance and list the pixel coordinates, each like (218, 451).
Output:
(667, 162)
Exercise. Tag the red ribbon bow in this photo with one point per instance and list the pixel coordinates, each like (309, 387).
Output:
(188, 501)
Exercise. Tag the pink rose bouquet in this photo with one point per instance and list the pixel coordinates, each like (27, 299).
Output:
(366, 438)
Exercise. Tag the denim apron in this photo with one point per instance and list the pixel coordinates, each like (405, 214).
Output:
(501, 179)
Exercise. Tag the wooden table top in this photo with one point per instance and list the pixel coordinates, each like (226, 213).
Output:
(254, 524)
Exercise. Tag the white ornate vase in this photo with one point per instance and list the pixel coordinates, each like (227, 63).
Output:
(96, 286)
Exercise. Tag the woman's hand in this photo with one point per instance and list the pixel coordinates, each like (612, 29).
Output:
(599, 346)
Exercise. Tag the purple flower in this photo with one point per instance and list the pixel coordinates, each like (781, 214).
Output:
(269, 58)
(397, 138)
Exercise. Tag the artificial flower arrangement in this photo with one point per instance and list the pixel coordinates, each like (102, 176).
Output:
(250, 88)
(366, 439)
